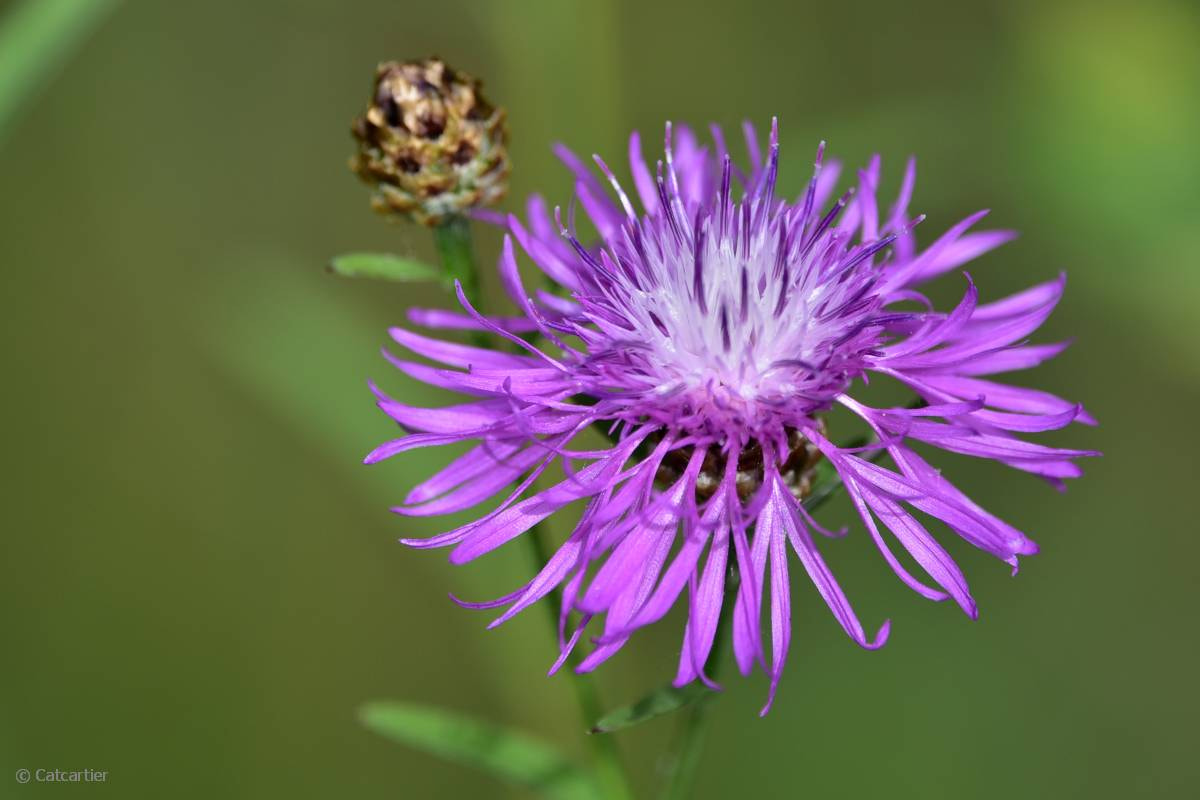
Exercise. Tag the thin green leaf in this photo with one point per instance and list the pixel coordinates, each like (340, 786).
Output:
(504, 753)
(36, 36)
(656, 704)
(384, 267)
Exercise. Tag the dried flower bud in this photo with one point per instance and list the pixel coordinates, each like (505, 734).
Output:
(430, 144)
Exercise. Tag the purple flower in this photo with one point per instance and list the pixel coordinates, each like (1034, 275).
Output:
(708, 335)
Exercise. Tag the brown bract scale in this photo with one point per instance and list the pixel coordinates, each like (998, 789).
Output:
(798, 470)
(430, 144)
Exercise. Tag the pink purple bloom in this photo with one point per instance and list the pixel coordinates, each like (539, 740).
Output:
(707, 333)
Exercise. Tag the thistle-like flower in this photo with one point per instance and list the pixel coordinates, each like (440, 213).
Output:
(430, 144)
(708, 334)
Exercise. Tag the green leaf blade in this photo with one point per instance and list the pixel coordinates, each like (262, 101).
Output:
(504, 753)
(383, 266)
(662, 701)
(36, 38)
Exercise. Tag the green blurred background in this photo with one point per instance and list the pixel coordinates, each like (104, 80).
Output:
(201, 583)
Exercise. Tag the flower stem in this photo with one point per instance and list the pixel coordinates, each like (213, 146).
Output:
(453, 240)
(606, 754)
(689, 744)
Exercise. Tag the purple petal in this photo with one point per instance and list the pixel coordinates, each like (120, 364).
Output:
(459, 355)
(641, 175)
(705, 611)
(476, 461)
(781, 612)
(968, 248)
(487, 535)
(819, 573)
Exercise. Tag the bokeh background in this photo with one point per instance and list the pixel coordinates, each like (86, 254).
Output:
(200, 581)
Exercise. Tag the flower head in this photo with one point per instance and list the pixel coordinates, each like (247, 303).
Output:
(430, 144)
(708, 333)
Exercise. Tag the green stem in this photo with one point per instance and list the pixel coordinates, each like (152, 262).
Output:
(606, 753)
(689, 745)
(453, 240)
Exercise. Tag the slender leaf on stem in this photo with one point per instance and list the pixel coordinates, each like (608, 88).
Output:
(504, 753)
(659, 702)
(36, 36)
(384, 267)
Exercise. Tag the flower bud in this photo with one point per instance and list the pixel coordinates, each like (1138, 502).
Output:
(430, 144)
